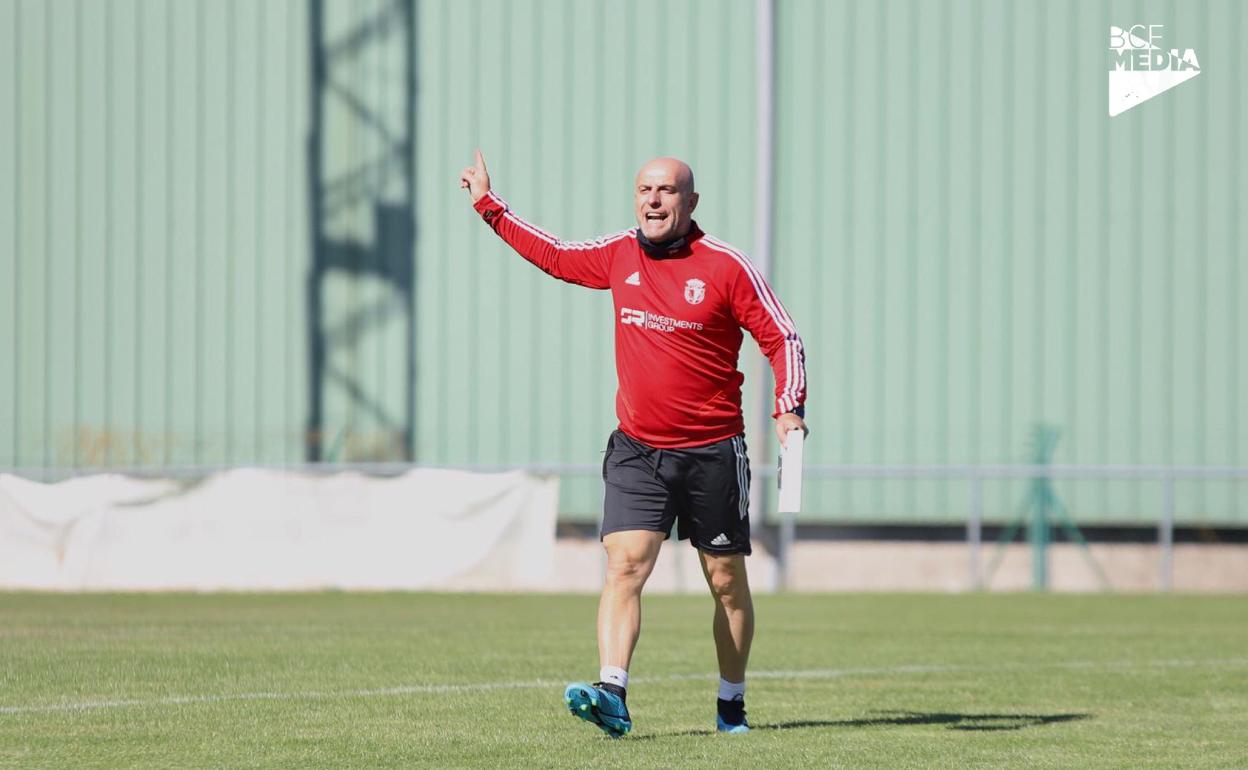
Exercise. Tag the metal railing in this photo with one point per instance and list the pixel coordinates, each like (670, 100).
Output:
(976, 475)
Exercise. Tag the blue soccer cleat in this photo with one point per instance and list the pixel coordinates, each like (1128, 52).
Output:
(734, 710)
(724, 727)
(594, 704)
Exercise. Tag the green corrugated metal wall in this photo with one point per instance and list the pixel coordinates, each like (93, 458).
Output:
(363, 183)
(978, 247)
(152, 206)
(968, 243)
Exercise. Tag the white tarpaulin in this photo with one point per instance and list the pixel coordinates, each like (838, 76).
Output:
(252, 529)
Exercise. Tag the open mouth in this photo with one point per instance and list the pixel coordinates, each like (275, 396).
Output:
(654, 216)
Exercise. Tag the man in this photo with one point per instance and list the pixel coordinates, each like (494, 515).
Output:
(682, 299)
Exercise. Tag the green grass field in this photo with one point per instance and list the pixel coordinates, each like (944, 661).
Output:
(407, 680)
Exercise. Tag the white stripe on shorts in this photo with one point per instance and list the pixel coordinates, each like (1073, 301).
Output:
(743, 481)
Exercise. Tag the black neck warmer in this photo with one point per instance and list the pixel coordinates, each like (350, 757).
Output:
(666, 249)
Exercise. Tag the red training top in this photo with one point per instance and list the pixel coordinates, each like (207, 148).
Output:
(678, 331)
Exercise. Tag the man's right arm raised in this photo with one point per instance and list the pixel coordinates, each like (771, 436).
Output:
(586, 263)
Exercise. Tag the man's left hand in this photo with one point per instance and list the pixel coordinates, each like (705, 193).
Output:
(787, 422)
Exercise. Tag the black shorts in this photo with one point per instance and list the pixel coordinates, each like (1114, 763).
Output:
(705, 490)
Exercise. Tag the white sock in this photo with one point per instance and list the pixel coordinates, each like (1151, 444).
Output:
(731, 690)
(613, 675)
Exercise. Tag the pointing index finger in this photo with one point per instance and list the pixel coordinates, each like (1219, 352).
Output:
(480, 160)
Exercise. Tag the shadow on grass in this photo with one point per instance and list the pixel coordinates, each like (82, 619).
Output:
(953, 721)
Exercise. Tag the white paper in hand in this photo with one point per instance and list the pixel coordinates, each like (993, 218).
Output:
(790, 476)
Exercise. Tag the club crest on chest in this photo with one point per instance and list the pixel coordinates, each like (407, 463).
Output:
(695, 291)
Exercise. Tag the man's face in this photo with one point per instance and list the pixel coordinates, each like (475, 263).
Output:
(665, 199)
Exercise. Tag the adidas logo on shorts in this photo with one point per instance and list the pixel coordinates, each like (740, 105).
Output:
(720, 540)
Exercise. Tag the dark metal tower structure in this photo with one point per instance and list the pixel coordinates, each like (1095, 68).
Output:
(361, 188)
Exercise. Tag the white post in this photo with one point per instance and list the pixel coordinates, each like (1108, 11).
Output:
(974, 529)
(1165, 535)
(784, 562)
(764, 180)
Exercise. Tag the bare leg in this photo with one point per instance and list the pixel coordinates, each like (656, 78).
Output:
(734, 612)
(630, 560)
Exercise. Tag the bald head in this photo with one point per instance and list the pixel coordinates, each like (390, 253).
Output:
(668, 168)
(665, 199)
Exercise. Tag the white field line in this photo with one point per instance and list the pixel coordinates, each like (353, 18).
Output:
(539, 684)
